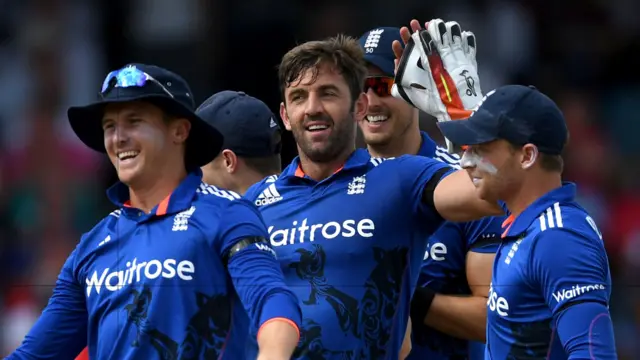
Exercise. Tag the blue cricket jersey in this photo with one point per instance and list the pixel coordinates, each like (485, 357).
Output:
(444, 269)
(551, 284)
(351, 248)
(164, 285)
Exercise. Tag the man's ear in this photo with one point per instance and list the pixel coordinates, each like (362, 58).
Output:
(529, 156)
(180, 129)
(361, 107)
(284, 116)
(229, 160)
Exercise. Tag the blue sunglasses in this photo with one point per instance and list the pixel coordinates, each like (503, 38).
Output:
(129, 76)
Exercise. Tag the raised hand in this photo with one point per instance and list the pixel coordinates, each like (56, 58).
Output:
(436, 71)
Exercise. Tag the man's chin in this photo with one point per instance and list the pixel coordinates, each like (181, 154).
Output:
(320, 153)
(485, 194)
(128, 176)
(376, 139)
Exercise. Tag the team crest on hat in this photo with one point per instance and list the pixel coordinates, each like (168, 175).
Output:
(371, 43)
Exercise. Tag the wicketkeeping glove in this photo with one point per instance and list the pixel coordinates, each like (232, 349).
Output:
(438, 72)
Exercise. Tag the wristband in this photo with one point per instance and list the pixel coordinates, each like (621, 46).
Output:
(420, 304)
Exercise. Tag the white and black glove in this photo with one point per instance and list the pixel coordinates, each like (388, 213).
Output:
(438, 72)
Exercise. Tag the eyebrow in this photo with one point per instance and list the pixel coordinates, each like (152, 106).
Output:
(297, 91)
(329, 87)
(128, 114)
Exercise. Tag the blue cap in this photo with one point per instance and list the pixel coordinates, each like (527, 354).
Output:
(377, 47)
(515, 113)
(167, 90)
(249, 128)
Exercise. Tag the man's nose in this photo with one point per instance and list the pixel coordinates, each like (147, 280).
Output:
(468, 160)
(314, 105)
(373, 99)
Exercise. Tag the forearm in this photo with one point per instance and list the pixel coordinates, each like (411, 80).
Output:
(277, 339)
(463, 317)
(259, 282)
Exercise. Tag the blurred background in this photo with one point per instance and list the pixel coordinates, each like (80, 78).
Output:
(55, 53)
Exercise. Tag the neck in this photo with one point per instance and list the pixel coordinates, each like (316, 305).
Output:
(320, 171)
(246, 180)
(146, 196)
(531, 190)
(408, 143)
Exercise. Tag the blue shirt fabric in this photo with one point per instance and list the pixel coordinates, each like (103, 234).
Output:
(158, 285)
(551, 285)
(444, 269)
(351, 248)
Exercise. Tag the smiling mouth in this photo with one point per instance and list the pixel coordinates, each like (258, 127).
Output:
(127, 155)
(317, 127)
(376, 119)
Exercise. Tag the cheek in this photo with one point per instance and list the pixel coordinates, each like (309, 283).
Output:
(482, 164)
(151, 138)
(295, 115)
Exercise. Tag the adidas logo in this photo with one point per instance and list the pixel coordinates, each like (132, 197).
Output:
(270, 195)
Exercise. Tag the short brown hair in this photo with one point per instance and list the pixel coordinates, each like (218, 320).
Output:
(551, 163)
(265, 166)
(343, 52)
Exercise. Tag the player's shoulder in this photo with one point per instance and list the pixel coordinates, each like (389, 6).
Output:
(100, 233)
(401, 161)
(213, 195)
(441, 154)
(485, 232)
(256, 189)
(567, 219)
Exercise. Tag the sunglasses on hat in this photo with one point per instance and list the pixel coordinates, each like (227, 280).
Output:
(129, 76)
(381, 85)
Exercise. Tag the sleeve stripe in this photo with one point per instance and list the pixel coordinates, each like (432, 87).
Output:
(444, 156)
(452, 160)
(212, 190)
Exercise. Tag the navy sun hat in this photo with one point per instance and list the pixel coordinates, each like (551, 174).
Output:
(515, 113)
(376, 44)
(249, 127)
(158, 86)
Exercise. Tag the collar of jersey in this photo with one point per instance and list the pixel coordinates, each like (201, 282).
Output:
(427, 147)
(563, 194)
(360, 157)
(179, 200)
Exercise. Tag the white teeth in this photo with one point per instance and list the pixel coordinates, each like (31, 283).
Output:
(376, 118)
(317, 127)
(127, 154)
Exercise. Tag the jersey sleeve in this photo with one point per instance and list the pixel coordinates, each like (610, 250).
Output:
(568, 267)
(253, 267)
(415, 173)
(484, 235)
(572, 273)
(61, 330)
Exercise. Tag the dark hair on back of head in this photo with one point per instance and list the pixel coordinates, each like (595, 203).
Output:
(342, 52)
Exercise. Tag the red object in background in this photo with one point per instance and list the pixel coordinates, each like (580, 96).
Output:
(624, 222)
(84, 355)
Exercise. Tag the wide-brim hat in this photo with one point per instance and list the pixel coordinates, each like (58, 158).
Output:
(160, 87)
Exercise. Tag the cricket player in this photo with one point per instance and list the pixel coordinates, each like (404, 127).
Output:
(181, 269)
(252, 140)
(454, 282)
(551, 283)
(249, 129)
(350, 230)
